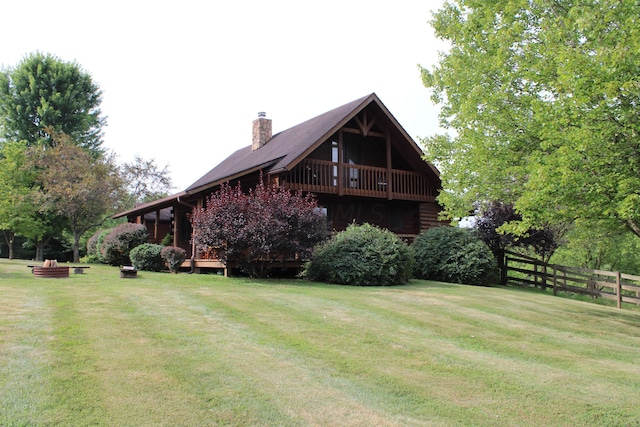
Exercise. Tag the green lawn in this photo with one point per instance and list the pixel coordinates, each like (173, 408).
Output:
(196, 350)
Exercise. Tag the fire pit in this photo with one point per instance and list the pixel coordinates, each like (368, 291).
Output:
(50, 271)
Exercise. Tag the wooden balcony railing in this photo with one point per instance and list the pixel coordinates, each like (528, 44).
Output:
(320, 176)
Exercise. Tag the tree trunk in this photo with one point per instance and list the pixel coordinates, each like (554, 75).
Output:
(9, 236)
(40, 250)
(76, 248)
(500, 258)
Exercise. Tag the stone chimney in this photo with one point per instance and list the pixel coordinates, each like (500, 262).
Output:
(261, 131)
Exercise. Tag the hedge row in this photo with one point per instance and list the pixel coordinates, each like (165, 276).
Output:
(126, 244)
(364, 255)
(112, 246)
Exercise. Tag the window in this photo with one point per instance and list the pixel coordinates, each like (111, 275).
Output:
(352, 156)
(334, 159)
(396, 222)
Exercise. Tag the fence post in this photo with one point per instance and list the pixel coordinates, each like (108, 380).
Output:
(544, 277)
(555, 280)
(619, 289)
(535, 274)
(504, 272)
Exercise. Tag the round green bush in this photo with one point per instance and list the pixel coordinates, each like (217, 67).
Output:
(362, 255)
(174, 257)
(147, 257)
(452, 254)
(94, 243)
(118, 243)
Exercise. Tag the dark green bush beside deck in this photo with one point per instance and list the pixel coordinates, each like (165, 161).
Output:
(362, 255)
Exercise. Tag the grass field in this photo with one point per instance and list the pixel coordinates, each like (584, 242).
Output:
(203, 350)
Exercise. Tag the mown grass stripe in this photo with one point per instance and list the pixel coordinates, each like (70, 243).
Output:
(204, 350)
(24, 364)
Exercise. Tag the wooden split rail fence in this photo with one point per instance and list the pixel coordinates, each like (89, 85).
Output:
(522, 270)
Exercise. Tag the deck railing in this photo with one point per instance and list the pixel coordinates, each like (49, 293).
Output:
(322, 176)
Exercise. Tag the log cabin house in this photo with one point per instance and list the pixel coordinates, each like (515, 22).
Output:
(357, 159)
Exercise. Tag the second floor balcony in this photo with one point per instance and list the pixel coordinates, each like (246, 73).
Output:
(321, 176)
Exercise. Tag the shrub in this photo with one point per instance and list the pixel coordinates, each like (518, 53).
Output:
(147, 257)
(94, 243)
(167, 240)
(91, 259)
(118, 243)
(270, 222)
(173, 256)
(452, 254)
(362, 255)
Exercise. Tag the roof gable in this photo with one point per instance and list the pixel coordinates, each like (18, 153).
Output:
(287, 148)
(284, 147)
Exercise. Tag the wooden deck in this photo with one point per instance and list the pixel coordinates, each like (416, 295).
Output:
(213, 264)
(320, 176)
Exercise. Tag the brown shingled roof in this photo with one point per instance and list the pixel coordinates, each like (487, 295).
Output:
(283, 151)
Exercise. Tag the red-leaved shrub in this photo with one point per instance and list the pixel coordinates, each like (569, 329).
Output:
(268, 222)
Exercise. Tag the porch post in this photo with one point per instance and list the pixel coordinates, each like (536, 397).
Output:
(389, 165)
(155, 225)
(176, 225)
(340, 165)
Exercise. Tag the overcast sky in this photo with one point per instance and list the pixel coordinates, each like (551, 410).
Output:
(182, 81)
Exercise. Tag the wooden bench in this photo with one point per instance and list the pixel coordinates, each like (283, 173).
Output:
(79, 269)
(128, 272)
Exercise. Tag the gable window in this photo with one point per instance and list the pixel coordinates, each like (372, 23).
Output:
(352, 152)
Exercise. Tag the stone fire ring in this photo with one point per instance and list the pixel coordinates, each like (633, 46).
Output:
(54, 272)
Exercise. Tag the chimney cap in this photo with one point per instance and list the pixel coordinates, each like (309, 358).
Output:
(262, 115)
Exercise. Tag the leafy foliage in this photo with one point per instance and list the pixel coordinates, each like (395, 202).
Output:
(92, 242)
(492, 226)
(362, 255)
(600, 247)
(40, 98)
(267, 223)
(80, 187)
(174, 257)
(167, 240)
(145, 181)
(452, 254)
(42, 91)
(19, 201)
(94, 245)
(117, 245)
(542, 100)
(147, 257)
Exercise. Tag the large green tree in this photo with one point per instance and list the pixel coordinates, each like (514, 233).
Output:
(43, 92)
(540, 102)
(19, 200)
(81, 188)
(40, 95)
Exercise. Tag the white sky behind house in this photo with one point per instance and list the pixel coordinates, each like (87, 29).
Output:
(182, 81)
